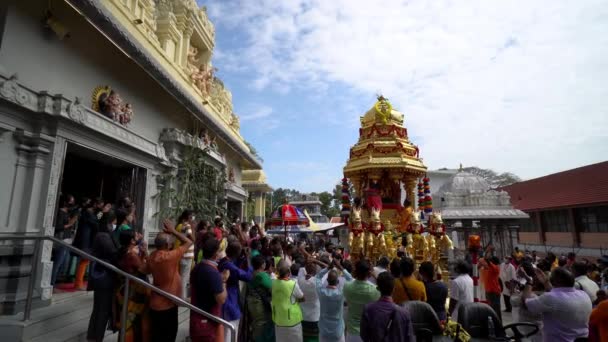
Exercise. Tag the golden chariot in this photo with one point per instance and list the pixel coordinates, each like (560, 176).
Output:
(385, 169)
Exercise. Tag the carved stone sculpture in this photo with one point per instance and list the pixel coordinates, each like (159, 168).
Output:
(235, 122)
(192, 58)
(109, 103)
(231, 175)
(127, 114)
(112, 105)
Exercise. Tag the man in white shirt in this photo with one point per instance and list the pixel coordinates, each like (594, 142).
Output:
(507, 274)
(582, 282)
(381, 267)
(310, 307)
(461, 288)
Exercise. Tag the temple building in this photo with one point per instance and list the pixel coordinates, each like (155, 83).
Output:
(312, 205)
(109, 99)
(469, 206)
(568, 211)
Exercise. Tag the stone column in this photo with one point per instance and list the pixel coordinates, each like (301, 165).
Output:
(57, 160)
(186, 35)
(32, 207)
(33, 150)
(258, 214)
(410, 190)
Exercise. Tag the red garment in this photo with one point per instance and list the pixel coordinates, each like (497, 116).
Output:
(218, 233)
(598, 323)
(491, 284)
(373, 199)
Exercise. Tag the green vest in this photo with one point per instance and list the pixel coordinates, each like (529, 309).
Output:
(284, 312)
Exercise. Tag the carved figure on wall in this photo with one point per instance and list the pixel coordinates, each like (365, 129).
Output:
(192, 58)
(204, 136)
(111, 105)
(207, 80)
(127, 114)
(213, 143)
(231, 175)
(197, 77)
(202, 77)
(108, 102)
(235, 123)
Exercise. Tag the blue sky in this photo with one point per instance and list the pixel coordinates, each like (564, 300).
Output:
(514, 86)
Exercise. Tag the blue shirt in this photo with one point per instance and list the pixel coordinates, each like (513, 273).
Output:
(231, 309)
(206, 283)
(331, 300)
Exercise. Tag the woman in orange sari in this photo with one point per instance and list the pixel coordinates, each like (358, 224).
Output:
(133, 258)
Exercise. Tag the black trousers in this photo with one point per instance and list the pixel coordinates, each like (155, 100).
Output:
(101, 315)
(507, 299)
(163, 325)
(494, 301)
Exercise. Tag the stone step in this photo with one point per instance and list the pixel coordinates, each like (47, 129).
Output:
(67, 319)
(62, 313)
(78, 332)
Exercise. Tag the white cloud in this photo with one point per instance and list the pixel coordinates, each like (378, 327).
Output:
(259, 112)
(514, 85)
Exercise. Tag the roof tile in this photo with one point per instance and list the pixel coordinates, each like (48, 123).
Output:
(580, 186)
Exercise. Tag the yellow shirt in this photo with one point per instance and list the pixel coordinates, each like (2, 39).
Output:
(415, 288)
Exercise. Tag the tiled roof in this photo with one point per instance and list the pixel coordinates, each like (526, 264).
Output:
(580, 186)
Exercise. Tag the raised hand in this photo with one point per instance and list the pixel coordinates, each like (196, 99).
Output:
(168, 227)
(225, 275)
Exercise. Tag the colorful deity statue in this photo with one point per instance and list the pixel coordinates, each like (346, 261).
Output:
(375, 242)
(443, 243)
(356, 236)
(390, 237)
(417, 245)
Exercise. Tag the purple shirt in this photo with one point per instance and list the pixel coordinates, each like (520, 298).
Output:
(375, 319)
(231, 309)
(565, 313)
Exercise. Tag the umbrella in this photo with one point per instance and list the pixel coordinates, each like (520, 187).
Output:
(288, 215)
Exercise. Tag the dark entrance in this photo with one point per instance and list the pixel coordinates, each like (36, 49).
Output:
(87, 173)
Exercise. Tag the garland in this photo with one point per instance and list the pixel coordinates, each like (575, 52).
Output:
(428, 201)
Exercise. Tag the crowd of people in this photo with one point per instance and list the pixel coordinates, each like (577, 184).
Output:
(277, 289)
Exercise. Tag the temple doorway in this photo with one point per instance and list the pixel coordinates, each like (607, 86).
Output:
(92, 174)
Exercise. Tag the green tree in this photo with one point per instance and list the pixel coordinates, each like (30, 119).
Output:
(197, 185)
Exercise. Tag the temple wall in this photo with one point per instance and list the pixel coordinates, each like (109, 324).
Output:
(41, 78)
(529, 237)
(594, 240)
(559, 239)
(75, 66)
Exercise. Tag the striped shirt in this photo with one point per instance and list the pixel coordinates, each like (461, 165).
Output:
(185, 229)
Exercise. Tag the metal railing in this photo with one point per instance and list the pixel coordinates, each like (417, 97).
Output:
(128, 277)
